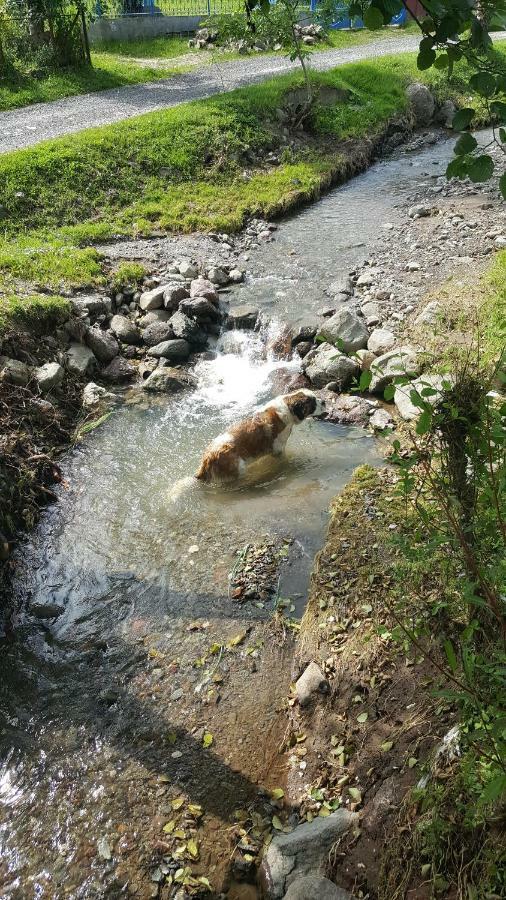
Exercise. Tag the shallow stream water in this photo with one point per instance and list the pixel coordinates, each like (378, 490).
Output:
(134, 566)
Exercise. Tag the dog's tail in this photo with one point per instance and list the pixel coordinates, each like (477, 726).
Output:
(181, 487)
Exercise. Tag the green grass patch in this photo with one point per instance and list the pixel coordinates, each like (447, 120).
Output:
(43, 262)
(147, 48)
(494, 308)
(40, 313)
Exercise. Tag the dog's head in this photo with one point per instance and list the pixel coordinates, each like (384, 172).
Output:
(304, 403)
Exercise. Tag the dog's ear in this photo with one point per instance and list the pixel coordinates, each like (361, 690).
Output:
(303, 405)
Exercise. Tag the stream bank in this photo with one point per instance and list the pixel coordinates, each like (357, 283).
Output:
(169, 700)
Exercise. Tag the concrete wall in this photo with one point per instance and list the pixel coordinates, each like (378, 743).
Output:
(128, 28)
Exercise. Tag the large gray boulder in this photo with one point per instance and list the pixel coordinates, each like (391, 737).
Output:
(346, 330)
(156, 332)
(168, 381)
(80, 359)
(49, 376)
(200, 308)
(103, 343)
(302, 852)
(92, 306)
(202, 287)
(404, 361)
(172, 296)
(315, 887)
(14, 371)
(125, 330)
(421, 102)
(381, 340)
(244, 316)
(155, 315)
(119, 370)
(187, 329)
(152, 299)
(177, 350)
(402, 397)
(325, 364)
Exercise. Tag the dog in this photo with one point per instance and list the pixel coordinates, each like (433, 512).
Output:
(265, 433)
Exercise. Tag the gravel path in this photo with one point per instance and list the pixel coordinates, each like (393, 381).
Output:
(32, 124)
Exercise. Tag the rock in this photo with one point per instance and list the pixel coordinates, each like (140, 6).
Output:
(430, 314)
(346, 409)
(188, 269)
(201, 287)
(365, 280)
(168, 381)
(125, 330)
(311, 682)
(315, 887)
(104, 849)
(80, 359)
(445, 114)
(172, 296)
(342, 285)
(217, 276)
(177, 350)
(346, 330)
(419, 211)
(403, 361)
(284, 381)
(371, 313)
(236, 276)
(103, 343)
(49, 376)
(91, 306)
(380, 419)
(45, 609)
(152, 299)
(380, 341)
(14, 371)
(304, 348)
(421, 102)
(402, 396)
(306, 331)
(366, 359)
(157, 332)
(412, 266)
(302, 852)
(156, 315)
(325, 363)
(119, 369)
(94, 394)
(244, 316)
(200, 308)
(187, 329)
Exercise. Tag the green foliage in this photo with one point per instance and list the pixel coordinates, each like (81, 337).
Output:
(127, 274)
(46, 34)
(40, 313)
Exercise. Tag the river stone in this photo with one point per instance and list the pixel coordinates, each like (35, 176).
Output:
(419, 211)
(346, 409)
(315, 887)
(371, 312)
(91, 306)
(365, 280)
(172, 296)
(156, 315)
(366, 359)
(202, 287)
(49, 376)
(342, 285)
(119, 369)
(80, 359)
(346, 329)
(103, 343)
(217, 276)
(306, 331)
(402, 396)
(156, 332)
(325, 363)
(402, 361)
(152, 299)
(445, 114)
(94, 394)
(302, 852)
(187, 329)
(236, 276)
(421, 102)
(188, 269)
(380, 420)
(200, 308)
(125, 330)
(168, 381)
(176, 351)
(244, 316)
(303, 348)
(14, 371)
(311, 682)
(430, 314)
(380, 341)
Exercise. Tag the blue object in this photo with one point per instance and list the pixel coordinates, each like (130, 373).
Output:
(343, 20)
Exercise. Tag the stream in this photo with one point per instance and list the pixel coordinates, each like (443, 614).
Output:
(139, 691)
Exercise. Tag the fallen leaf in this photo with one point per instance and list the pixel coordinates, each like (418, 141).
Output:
(207, 740)
(192, 848)
(238, 639)
(195, 809)
(277, 793)
(277, 823)
(169, 827)
(177, 803)
(362, 717)
(172, 738)
(412, 761)
(386, 746)
(355, 793)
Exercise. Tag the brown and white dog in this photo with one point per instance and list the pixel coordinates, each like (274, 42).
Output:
(265, 433)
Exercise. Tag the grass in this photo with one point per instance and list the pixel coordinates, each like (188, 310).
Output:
(41, 313)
